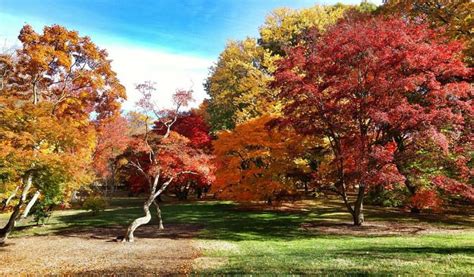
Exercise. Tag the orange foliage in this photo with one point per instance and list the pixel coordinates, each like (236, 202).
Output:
(253, 160)
(67, 70)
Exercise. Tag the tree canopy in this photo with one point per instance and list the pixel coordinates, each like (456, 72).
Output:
(391, 83)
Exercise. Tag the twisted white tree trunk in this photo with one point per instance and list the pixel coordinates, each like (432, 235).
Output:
(146, 208)
(158, 214)
(139, 221)
(6, 230)
(31, 204)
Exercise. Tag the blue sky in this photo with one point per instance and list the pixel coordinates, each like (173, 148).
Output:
(163, 40)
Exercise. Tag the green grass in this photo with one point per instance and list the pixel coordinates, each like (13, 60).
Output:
(245, 242)
(427, 254)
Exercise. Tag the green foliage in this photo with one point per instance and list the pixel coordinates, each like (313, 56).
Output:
(387, 198)
(95, 204)
(52, 196)
(42, 211)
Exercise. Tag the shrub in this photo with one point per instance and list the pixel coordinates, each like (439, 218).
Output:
(42, 212)
(44, 207)
(386, 198)
(95, 204)
(425, 200)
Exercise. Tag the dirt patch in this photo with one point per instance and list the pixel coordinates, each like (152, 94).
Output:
(381, 228)
(209, 263)
(94, 252)
(171, 231)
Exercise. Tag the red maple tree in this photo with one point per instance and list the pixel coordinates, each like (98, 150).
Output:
(164, 157)
(372, 87)
(193, 127)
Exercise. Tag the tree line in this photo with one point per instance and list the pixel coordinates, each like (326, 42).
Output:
(362, 102)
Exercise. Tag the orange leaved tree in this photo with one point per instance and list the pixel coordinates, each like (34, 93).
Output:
(257, 162)
(50, 90)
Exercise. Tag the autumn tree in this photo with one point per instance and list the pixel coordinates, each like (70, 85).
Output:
(51, 88)
(40, 154)
(163, 157)
(435, 167)
(237, 85)
(371, 86)
(238, 82)
(192, 126)
(137, 123)
(454, 16)
(257, 162)
(112, 140)
(283, 26)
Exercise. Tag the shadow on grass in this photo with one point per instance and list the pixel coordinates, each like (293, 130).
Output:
(223, 221)
(116, 233)
(459, 218)
(220, 220)
(229, 221)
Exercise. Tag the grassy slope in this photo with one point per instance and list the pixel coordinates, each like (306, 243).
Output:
(239, 241)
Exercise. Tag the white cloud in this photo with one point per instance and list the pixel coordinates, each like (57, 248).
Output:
(170, 71)
(133, 64)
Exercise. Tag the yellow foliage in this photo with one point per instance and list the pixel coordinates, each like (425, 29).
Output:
(283, 25)
(238, 84)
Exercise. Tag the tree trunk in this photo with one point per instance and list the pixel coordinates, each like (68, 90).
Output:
(146, 208)
(269, 201)
(198, 192)
(7, 201)
(31, 204)
(35, 93)
(358, 214)
(113, 182)
(141, 220)
(7, 229)
(158, 214)
(106, 192)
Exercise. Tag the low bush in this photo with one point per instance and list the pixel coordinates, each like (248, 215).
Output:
(95, 204)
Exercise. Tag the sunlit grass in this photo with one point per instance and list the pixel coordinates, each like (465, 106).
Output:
(248, 241)
(426, 254)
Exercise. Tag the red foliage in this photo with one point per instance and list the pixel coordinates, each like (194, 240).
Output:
(453, 187)
(112, 140)
(372, 85)
(425, 199)
(174, 150)
(192, 126)
(174, 155)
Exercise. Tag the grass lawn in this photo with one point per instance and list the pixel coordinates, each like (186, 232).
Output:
(312, 239)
